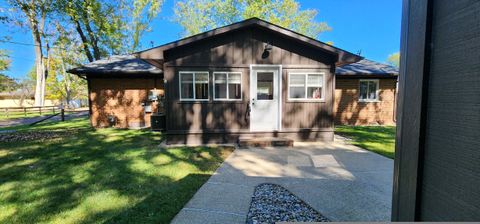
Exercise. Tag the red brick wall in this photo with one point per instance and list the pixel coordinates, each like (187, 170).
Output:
(349, 111)
(121, 98)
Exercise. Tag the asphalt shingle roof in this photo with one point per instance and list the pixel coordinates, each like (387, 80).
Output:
(367, 67)
(129, 64)
(126, 64)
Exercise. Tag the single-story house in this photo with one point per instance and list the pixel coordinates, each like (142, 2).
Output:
(247, 79)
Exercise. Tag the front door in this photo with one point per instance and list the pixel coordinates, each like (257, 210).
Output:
(264, 99)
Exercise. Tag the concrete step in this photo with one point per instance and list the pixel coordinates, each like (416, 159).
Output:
(264, 142)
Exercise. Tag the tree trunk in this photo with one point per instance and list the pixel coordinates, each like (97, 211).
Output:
(40, 86)
(93, 38)
(84, 39)
(67, 83)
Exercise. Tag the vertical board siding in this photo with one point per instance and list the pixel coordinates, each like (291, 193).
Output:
(304, 115)
(235, 52)
(449, 190)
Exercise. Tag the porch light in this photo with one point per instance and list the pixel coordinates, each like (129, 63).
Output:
(268, 47)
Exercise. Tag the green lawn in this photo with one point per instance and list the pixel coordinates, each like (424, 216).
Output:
(98, 176)
(379, 139)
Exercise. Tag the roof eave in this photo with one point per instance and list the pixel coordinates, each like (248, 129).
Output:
(84, 72)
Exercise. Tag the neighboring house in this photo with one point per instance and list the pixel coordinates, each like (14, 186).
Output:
(251, 78)
(19, 99)
(365, 93)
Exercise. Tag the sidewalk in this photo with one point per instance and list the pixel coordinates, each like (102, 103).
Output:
(341, 181)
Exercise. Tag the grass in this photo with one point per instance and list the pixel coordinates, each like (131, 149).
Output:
(379, 139)
(99, 176)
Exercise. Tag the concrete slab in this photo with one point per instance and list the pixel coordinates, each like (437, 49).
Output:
(342, 181)
(194, 216)
(222, 197)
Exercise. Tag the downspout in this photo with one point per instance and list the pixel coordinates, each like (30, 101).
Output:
(395, 93)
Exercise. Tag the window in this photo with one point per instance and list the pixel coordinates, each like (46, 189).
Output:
(194, 86)
(265, 85)
(305, 86)
(368, 90)
(227, 85)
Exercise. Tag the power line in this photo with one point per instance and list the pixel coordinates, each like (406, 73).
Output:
(26, 44)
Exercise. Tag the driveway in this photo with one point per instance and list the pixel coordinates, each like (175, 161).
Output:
(341, 181)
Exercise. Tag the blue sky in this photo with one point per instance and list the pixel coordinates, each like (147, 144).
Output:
(372, 26)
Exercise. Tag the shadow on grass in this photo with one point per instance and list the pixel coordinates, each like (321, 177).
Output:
(379, 139)
(99, 176)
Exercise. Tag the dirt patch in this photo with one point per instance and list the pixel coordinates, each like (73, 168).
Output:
(34, 135)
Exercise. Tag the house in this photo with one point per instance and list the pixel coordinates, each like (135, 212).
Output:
(365, 93)
(19, 98)
(248, 79)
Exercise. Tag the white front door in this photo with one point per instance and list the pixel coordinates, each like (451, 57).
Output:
(264, 99)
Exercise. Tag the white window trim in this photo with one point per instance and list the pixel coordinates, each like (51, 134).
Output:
(228, 97)
(377, 92)
(306, 86)
(193, 83)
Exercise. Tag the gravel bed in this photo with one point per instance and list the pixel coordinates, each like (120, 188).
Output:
(272, 203)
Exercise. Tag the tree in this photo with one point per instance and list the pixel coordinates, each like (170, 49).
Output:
(394, 59)
(140, 23)
(6, 83)
(35, 13)
(4, 60)
(196, 16)
(62, 85)
(108, 27)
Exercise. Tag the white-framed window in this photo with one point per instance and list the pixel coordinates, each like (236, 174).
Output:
(194, 86)
(306, 86)
(368, 90)
(227, 86)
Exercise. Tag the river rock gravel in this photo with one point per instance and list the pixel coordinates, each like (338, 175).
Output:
(273, 203)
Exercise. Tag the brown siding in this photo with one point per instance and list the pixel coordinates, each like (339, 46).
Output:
(301, 115)
(121, 98)
(349, 111)
(235, 52)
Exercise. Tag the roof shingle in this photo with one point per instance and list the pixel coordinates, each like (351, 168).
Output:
(367, 67)
(119, 64)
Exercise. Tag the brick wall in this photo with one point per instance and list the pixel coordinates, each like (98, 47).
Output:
(123, 99)
(349, 111)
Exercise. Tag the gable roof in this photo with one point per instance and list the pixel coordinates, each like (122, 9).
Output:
(367, 67)
(343, 56)
(118, 64)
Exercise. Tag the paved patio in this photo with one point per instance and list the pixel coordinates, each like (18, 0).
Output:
(341, 181)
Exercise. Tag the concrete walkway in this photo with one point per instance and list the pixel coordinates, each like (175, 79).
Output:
(341, 181)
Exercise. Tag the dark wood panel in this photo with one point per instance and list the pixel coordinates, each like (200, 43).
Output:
(452, 157)
(411, 100)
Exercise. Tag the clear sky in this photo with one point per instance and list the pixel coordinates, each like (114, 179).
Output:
(369, 26)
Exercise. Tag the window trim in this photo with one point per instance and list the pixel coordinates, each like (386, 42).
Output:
(306, 86)
(377, 92)
(228, 97)
(193, 83)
